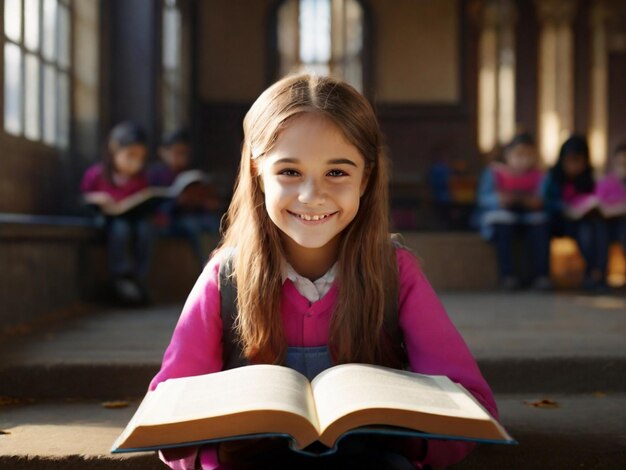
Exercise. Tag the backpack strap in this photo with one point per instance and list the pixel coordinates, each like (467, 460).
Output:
(232, 355)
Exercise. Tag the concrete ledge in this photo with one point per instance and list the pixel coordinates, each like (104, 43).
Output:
(555, 374)
(585, 431)
(116, 381)
(455, 260)
(52, 263)
(77, 381)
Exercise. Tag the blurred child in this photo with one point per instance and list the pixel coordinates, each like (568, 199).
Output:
(611, 190)
(509, 199)
(195, 211)
(118, 176)
(569, 184)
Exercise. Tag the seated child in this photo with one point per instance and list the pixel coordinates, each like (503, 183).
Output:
(319, 281)
(129, 236)
(569, 183)
(611, 190)
(196, 210)
(510, 205)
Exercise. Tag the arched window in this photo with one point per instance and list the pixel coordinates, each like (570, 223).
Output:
(37, 70)
(325, 37)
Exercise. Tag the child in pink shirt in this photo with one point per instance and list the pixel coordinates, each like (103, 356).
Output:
(611, 191)
(319, 281)
(509, 199)
(129, 236)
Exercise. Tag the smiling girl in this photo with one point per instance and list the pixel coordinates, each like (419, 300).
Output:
(319, 281)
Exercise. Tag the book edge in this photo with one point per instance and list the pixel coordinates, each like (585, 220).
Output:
(399, 432)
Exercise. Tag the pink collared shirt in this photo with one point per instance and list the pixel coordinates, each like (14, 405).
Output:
(433, 345)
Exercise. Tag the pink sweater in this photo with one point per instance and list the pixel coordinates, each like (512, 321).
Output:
(94, 181)
(433, 345)
(528, 182)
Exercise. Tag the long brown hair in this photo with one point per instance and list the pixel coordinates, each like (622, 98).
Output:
(367, 276)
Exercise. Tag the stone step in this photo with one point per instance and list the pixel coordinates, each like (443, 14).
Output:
(585, 431)
(523, 343)
(110, 381)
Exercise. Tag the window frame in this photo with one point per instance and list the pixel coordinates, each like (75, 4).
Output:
(184, 91)
(367, 53)
(60, 143)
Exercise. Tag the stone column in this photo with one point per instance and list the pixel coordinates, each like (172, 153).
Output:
(556, 75)
(496, 73)
(599, 93)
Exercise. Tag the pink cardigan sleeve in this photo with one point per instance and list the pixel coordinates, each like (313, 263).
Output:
(434, 346)
(195, 349)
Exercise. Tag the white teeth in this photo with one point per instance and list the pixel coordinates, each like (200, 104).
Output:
(312, 217)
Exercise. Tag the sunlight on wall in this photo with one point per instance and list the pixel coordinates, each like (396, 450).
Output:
(487, 86)
(549, 136)
(496, 76)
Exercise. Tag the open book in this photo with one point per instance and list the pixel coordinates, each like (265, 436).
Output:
(584, 205)
(270, 400)
(146, 198)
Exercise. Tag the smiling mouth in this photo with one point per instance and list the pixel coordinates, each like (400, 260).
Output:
(312, 217)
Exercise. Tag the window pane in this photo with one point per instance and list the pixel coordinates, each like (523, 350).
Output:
(32, 97)
(354, 28)
(13, 19)
(12, 88)
(49, 29)
(64, 36)
(31, 24)
(171, 38)
(49, 104)
(315, 31)
(64, 110)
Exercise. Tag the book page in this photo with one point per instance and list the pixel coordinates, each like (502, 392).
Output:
(347, 388)
(615, 209)
(258, 387)
(581, 206)
(135, 199)
(184, 179)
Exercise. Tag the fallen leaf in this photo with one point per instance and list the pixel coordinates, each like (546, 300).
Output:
(115, 404)
(4, 433)
(543, 403)
(599, 394)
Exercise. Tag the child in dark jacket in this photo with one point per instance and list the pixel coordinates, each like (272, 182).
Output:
(569, 184)
(196, 210)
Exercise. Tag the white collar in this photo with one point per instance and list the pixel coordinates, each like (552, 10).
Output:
(311, 290)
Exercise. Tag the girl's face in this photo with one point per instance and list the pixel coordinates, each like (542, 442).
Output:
(521, 158)
(313, 179)
(129, 160)
(574, 164)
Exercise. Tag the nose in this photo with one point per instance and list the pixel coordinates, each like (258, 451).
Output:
(312, 192)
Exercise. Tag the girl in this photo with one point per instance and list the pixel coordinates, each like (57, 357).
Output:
(569, 184)
(317, 275)
(611, 191)
(510, 201)
(119, 175)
